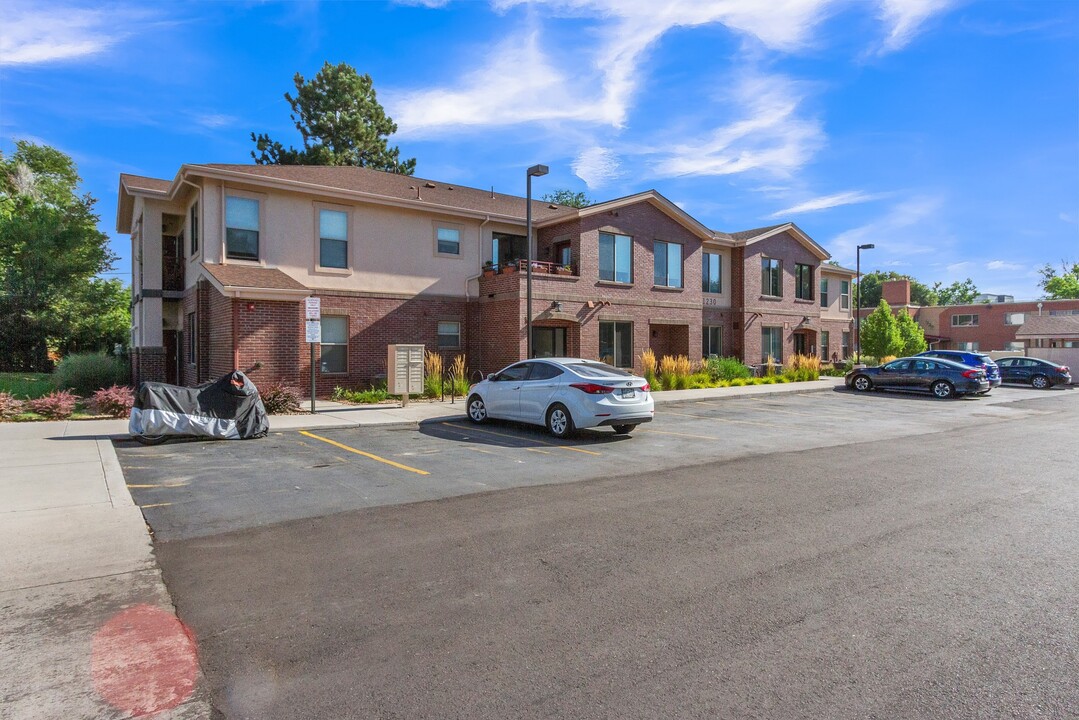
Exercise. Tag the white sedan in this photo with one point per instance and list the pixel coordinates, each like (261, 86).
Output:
(563, 394)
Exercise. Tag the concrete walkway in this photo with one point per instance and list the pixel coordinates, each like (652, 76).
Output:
(87, 628)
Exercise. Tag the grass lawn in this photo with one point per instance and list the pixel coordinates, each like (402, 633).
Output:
(26, 385)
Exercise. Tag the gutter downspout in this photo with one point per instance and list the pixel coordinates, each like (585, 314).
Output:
(479, 244)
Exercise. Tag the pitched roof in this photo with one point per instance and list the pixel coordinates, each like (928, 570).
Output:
(1049, 326)
(397, 187)
(747, 234)
(140, 182)
(247, 276)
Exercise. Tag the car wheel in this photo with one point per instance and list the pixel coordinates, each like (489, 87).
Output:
(559, 421)
(943, 389)
(862, 383)
(151, 439)
(624, 429)
(1039, 382)
(477, 411)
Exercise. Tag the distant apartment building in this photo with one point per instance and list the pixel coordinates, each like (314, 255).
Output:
(224, 255)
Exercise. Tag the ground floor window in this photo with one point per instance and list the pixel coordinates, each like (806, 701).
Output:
(968, 346)
(616, 343)
(846, 345)
(548, 342)
(824, 350)
(334, 344)
(1014, 346)
(449, 334)
(712, 341)
(772, 344)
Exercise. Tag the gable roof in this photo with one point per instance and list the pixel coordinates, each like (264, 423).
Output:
(748, 237)
(652, 197)
(253, 282)
(1048, 326)
(130, 186)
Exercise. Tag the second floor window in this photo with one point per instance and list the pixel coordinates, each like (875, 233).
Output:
(824, 292)
(449, 240)
(771, 278)
(241, 228)
(332, 239)
(194, 228)
(615, 258)
(668, 264)
(844, 295)
(803, 281)
(964, 320)
(711, 280)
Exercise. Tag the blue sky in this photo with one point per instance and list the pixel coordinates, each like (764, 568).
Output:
(947, 133)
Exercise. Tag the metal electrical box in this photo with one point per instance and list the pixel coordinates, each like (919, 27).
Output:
(404, 370)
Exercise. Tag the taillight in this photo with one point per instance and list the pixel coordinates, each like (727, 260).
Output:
(972, 373)
(648, 387)
(592, 388)
(1063, 369)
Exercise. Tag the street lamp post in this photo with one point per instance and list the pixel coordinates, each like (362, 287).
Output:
(534, 171)
(858, 302)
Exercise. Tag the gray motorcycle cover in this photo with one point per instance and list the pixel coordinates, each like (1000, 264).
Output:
(228, 408)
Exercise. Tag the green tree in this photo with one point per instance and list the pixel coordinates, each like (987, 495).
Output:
(1060, 287)
(50, 248)
(94, 315)
(880, 332)
(341, 122)
(872, 289)
(958, 293)
(568, 197)
(911, 335)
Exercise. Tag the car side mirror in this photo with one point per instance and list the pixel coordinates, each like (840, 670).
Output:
(491, 377)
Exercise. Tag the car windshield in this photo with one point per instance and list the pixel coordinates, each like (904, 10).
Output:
(596, 369)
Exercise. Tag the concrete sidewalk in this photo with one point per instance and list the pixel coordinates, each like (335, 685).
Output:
(78, 574)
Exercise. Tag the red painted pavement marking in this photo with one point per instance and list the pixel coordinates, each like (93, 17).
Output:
(144, 660)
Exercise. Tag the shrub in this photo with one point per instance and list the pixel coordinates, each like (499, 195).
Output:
(886, 359)
(459, 376)
(700, 380)
(281, 399)
(365, 397)
(648, 363)
(83, 373)
(115, 401)
(432, 377)
(740, 382)
(802, 368)
(10, 406)
(726, 368)
(57, 405)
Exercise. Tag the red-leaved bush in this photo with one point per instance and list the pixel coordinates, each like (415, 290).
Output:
(280, 399)
(115, 401)
(57, 405)
(10, 406)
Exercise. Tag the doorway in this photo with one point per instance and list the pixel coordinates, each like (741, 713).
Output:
(548, 342)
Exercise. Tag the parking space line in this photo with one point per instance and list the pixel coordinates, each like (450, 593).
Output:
(651, 431)
(158, 485)
(153, 505)
(365, 454)
(721, 419)
(514, 437)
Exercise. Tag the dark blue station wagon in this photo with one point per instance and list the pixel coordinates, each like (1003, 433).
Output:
(974, 359)
(943, 378)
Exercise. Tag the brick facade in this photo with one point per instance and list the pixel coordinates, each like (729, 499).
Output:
(148, 364)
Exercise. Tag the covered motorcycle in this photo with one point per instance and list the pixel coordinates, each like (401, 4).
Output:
(228, 409)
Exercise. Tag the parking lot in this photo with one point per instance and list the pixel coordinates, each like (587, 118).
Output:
(193, 489)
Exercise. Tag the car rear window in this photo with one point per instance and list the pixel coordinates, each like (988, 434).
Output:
(985, 359)
(596, 369)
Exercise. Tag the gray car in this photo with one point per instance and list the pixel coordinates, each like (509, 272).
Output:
(943, 378)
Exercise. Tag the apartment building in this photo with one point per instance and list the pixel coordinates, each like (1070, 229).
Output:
(224, 255)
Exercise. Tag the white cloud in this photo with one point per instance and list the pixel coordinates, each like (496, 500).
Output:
(825, 202)
(1067, 218)
(214, 120)
(1001, 265)
(432, 4)
(904, 18)
(910, 227)
(958, 267)
(597, 166)
(770, 135)
(33, 35)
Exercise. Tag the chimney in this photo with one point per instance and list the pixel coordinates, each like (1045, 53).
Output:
(896, 292)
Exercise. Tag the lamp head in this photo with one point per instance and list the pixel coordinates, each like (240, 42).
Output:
(538, 170)
(868, 246)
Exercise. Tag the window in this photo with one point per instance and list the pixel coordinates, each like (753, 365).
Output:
(803, 281)
(844, 294)
(241, 228)
(771, 278)
(615, 258)
(334, 356)
(192, 339)
(507, 249)
(824, 292)
(616, 343)
(712, 278)
(968, 346)
(1014, 318)
(964, 321)
(772, 344)
(846, 345)
(332, 239)
(712, 341)
(448, 240)
(548, 341)
(194, 223)
(563, 254)
(449, 334)
(824, 342)
(668, 264)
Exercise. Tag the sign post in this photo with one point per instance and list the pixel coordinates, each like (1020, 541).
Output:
(313, 332)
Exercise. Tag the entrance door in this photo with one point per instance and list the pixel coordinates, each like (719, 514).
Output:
(801, 344)
(172, 357)
(548, 342)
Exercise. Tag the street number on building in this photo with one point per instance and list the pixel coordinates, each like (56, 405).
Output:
(711, 301)
(314, 331)
(313, 308)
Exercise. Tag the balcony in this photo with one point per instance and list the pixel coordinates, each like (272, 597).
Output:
(509, 277)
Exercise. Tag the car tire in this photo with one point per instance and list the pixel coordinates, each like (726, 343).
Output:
(1040, 382)
(624, 429)
(861, 383)
(943, 389)
(150, 439)
(559, 421)
(477, 410)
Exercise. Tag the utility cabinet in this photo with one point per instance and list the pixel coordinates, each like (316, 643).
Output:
(404, 370)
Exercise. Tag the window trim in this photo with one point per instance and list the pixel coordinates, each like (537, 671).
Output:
(1022, 317)
(349, 235)
(193, 219)
(437, 225)
(345, 344)
(705, 267)
(973, 316)
(766, 292)
(824, 339)
(667, 244)
(799, 270)
(439, 334)
(260, 198)
(825, 299)
(844, 297)
(706, 345)
(772, 329)
(614, 263)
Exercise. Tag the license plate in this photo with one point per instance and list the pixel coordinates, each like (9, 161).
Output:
(627, 392)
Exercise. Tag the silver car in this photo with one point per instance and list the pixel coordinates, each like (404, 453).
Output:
(563, 394)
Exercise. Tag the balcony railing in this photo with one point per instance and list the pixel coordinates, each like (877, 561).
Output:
(545, 267)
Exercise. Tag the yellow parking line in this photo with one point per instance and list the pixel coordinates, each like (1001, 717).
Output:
(365, 454)
(514, 437)
(159, 485)
(153, 505)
